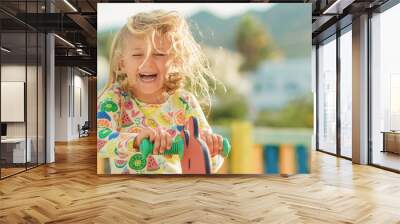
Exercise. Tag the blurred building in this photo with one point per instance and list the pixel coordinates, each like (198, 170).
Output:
(275, 83)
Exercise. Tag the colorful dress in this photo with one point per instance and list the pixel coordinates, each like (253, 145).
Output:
(120, 118)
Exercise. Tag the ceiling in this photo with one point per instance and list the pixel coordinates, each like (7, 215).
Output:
(332, 15)
(76, 20)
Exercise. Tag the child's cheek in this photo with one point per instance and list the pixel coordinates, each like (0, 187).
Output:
(132, 80)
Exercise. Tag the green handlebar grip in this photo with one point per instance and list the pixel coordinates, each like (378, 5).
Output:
(226, 147)
(177, 147)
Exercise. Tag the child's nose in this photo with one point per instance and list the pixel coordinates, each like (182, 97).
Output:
(148, 62)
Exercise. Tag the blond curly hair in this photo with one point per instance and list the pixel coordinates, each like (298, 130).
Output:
(189, 68)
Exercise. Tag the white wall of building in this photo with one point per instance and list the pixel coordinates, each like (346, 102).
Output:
(71, 102)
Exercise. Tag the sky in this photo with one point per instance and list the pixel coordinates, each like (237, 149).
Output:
(116, 14)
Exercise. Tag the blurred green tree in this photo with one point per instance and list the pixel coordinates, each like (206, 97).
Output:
(104, 42)
(229, 106)
(297, 113)
(253, 42)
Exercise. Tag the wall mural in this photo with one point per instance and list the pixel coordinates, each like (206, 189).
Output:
(195, 88)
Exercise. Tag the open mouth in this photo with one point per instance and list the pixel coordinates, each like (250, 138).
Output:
(147, 77)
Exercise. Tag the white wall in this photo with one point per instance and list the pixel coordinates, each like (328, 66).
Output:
(70, 83)
(61, 103)
(14, 73)
(34, 124)
(80, 84)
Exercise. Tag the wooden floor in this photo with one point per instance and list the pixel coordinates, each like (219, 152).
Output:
(387, 159)
(69, 191)
(5, 172)
(10, 171)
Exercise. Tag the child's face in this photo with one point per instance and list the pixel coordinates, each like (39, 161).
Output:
(146, 68)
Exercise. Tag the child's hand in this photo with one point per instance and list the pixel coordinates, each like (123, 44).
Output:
(162, 140)
(214, 142)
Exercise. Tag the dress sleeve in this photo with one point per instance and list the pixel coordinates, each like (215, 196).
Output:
(111, 142)
(194, 109)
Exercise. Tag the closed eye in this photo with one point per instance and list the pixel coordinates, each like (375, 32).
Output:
(137, 55)
(160, 54)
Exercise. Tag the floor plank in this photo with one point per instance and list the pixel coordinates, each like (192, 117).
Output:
(387, 159)
(69, 191)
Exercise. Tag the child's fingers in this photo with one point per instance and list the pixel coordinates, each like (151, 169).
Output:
(163, 141)
(208, 140)
(137, 141)
(220, 143)
(169, 141)
(152, 134)
(210, 143)
(215, 145)
(157, 141)
(139, 138)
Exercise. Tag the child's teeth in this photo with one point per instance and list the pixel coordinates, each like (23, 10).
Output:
(148, 77)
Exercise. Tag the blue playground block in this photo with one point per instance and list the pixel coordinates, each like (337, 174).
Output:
(302, 159)
(271, 158)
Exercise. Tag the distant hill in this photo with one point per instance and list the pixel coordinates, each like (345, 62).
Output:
(289, 25)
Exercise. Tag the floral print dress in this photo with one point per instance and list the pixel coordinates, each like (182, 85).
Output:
(120, 118)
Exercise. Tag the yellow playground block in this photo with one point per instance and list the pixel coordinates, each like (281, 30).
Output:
(241, 161)
(258, 160)
(287, 163)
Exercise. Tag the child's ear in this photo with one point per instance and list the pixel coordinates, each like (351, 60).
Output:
(121, 65)
(121, 75)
